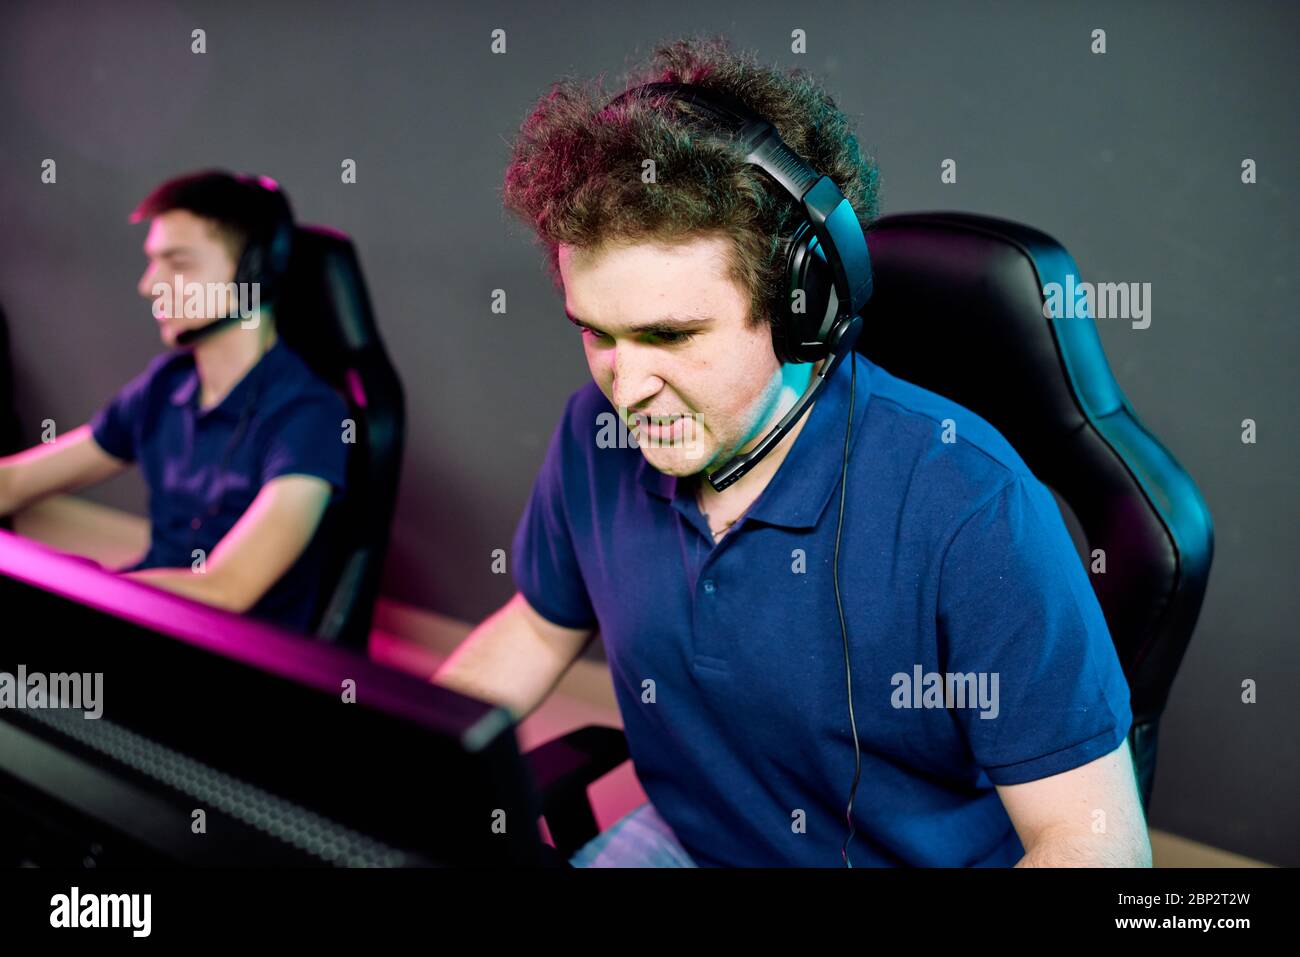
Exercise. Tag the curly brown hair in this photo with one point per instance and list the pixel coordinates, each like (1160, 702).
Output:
(575, 171)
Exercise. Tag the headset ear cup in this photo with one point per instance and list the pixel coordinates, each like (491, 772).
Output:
(808, 285)
(277, 253)
(256, 266)
(249, 265)
(269, 250)
(280, 244)
(282, 248)
(787, 331)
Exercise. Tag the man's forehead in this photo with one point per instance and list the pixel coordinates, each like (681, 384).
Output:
(175, 229)
(633, 295)
(679, 274)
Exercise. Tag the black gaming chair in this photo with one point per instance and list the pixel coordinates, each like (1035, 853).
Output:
(958, 309)
(324, 315)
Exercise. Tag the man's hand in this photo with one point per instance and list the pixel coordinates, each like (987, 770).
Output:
(1090, 816)
(263, 545)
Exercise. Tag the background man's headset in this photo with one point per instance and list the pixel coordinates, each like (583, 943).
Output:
(265, 261)
(828, 263)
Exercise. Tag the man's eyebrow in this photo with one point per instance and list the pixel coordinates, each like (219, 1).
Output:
(666, 324)
(169, 251)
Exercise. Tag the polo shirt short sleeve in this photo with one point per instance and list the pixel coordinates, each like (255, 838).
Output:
(545, 567)
(1015, 603)
(306, 438)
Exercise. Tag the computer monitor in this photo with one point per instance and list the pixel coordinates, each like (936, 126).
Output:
(222, 740)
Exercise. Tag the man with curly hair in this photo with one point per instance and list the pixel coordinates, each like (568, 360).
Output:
(717, 608)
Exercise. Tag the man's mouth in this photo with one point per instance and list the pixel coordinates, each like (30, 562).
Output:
(641, 419)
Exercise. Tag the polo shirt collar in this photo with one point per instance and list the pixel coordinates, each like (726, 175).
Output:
(797, 494)
(185, 392)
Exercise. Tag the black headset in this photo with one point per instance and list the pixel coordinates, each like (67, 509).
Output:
(266, 254)
(828, 271)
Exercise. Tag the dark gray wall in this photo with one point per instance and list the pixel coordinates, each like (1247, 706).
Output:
(1131, 159)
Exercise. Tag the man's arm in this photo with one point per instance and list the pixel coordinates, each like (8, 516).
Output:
(71, 461)
(1090, 816)
(257, 551)
(515, 658)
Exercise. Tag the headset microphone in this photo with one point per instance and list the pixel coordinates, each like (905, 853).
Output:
(190, 336)
(731, 473)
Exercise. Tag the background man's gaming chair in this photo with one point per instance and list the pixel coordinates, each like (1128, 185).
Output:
(324, 315)
(958, 309)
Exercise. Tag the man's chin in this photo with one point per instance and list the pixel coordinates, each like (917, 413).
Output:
(170, 334)
(676, 460)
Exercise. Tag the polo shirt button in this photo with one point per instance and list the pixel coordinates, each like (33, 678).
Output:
(708, 585)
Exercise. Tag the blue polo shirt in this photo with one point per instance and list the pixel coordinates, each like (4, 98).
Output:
(203, 471)
(727, 660)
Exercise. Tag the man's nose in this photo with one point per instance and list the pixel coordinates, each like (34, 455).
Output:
(145, 286)
(635, 380)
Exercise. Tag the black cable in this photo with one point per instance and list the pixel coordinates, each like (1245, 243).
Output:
(848, 668)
